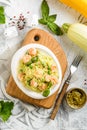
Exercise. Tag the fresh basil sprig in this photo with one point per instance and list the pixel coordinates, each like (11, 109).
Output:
(2, 16)
(49, 19)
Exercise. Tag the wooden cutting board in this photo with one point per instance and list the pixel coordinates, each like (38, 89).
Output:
(40, 37)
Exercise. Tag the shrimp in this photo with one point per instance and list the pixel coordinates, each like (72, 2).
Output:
(38, 73)
(53, 68)
(33, 83)
(54, 80)
(47, 78)
(20, 76)
(26, 58)
(42, 87)
(32, 51)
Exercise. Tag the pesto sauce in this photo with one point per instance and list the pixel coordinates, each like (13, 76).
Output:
(76, 98)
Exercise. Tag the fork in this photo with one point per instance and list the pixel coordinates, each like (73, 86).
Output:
(73, 68)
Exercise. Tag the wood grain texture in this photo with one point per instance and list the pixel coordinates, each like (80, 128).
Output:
(47, 40)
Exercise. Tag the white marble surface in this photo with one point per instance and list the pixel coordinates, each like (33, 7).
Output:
(26, 116)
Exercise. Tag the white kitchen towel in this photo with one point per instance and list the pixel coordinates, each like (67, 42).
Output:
(5, 2)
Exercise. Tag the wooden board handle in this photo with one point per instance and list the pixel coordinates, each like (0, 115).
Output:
(59, 100)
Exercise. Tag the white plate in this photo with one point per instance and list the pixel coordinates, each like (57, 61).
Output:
(14, 65)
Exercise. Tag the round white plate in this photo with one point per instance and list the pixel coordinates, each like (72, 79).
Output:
(14, 65)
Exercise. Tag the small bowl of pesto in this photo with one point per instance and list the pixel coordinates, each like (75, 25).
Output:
(76, 98)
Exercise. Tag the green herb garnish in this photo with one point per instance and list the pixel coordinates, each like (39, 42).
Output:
(21, 70)
(46, 92)
(2, 15)
(34, 59)
(28, 63)
(49, 19)
(28, 81)
(49, 85)
(49, 70)
(30, 66)
(5, 109)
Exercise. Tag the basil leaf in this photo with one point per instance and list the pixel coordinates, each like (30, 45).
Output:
(46, 92)
(54, 28)
(6, 108)
(52, 18)
(2, 18)
(42, 21)
(44, 9)
(1, 10)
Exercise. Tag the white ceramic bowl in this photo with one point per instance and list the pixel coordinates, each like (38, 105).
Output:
(14, 64)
